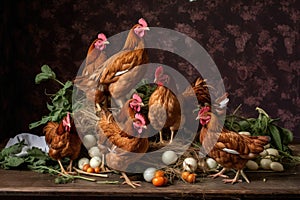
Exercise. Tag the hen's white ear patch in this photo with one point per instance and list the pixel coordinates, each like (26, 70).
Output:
(230, 151)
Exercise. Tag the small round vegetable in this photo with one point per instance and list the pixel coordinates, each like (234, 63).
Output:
(85, 167)
(211, 163)
(252, 165)
(190, 164)
(158, 181)
(82, 162)
(97, 170)
(263, 153)
(149, 174)
(276, 166)
(169, 157)
(89, 141)
(265, 163)
(272, 151)
(95, 161)
(159, 173)
(90, 170)
(191, 178)
(94, 151)
(184, 175)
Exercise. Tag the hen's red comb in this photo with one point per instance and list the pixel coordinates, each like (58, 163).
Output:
(140, 117)
(137, 97)
(101, 36)
(143, 22)
(159, 70)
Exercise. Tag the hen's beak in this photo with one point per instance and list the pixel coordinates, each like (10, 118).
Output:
(197, 118)
(144, 127)
(106, 42)
(146, 28)
(142, 104)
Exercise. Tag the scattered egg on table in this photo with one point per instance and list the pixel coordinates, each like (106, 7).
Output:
(169, 157)
(245, 133)
(265, 163)
(252, 165)
(276, 166)
(82, 162)
(95, 161)
(211, 163)
(149, 174)
(190, 164)
(89, 141)
(94, 151)
(263, 153)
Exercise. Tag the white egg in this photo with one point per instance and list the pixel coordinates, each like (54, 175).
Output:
(95, 161)
(272, 151)
(211, 163)
(89, 141)
(252, 165)
(169, 157)
(149, 174)
(82, 162)
(190, 164)
(265, 163)
(276, 166)
(94, 151)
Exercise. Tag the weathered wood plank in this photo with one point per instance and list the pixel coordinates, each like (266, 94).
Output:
(31, 185)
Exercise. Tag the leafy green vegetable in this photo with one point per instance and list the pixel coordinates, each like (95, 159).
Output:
(262, 125)
(61, 101)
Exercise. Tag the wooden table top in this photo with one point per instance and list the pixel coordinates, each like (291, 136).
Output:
(264, 185)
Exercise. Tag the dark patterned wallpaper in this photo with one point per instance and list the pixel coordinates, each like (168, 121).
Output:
(255, 45)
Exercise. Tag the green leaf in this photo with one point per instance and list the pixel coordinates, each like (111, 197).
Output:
(12, 161)
(44, 120)
(13, 149)
(46, 74)
(286, 135)
(276, 139)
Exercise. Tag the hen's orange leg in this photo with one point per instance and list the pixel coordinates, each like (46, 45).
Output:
(172, 135)
(62, 169)
(220, 174)
(235, 179)
(129, 182)
(161, 137)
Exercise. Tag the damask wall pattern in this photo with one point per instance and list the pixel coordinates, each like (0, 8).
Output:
(255, 45)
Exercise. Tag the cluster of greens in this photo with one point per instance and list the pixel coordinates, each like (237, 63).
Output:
(35, 160)
(61, 102)
(262, 125)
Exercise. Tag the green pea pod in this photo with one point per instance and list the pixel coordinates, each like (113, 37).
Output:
(275, 134)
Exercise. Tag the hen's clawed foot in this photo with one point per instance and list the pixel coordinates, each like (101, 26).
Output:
(219, 174)
(232, 181)
(127, 181)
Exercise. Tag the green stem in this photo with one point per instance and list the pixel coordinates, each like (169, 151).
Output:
(59, 82)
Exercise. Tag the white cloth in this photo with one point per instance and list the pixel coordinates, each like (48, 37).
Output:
(30, 141)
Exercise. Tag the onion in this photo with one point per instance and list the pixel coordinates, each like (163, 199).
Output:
(190, 164)
(273, 152)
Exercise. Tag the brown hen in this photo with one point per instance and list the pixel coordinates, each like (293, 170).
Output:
(164, 106)
(63, 141)
(230, 149)
(95, 57)
(125, 144)
(122, 71)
